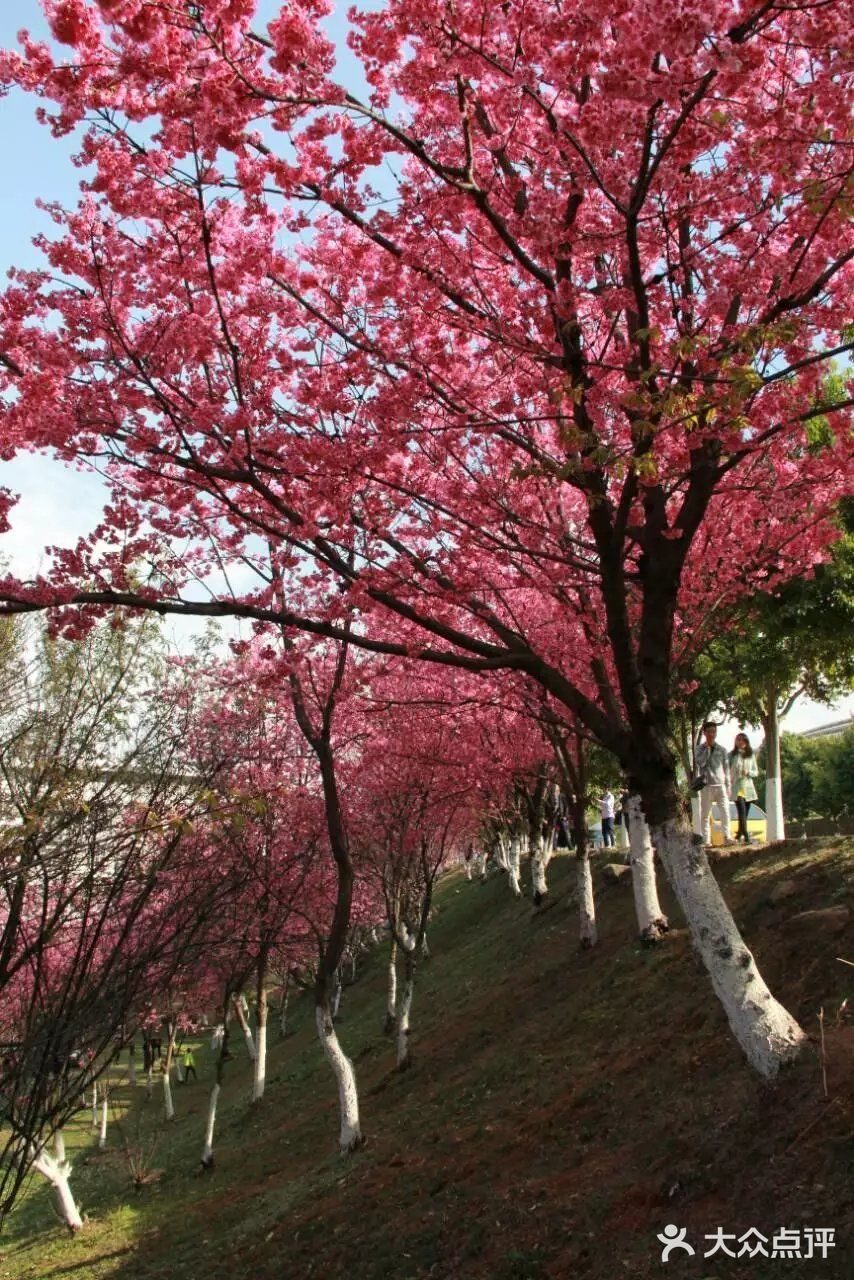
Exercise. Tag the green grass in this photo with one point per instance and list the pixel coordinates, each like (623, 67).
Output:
(562, 1108)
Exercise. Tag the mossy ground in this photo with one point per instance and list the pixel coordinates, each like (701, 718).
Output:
(563, 1107)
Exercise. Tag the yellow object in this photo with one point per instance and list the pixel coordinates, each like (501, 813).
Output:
(756, 824)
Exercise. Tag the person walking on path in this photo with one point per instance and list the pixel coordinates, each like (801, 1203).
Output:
(743, 770)
(713, 768)
(606, 808)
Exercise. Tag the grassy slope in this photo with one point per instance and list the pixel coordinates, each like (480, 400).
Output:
(563, 1107)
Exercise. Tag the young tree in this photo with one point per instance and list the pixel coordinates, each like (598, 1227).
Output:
(415, 807)
(98, 835)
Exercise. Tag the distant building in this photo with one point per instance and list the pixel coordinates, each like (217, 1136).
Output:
(831, 730)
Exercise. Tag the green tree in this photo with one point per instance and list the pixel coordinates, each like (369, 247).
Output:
(831, 773)
(779, 646)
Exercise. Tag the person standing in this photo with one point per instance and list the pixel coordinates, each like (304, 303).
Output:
(713, 767)
(606, 808)
(743, 770)
(189, 1064)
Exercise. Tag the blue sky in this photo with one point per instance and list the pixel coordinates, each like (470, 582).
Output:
(58, 505)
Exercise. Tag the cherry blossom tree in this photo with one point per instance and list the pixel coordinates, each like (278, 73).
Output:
(550, 416)
(97, 840)
(418, 804)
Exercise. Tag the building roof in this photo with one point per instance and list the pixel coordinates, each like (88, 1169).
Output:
(829, 730)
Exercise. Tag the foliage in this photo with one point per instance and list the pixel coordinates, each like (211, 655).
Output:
(818, 775)
(796, 640)
(543, 404)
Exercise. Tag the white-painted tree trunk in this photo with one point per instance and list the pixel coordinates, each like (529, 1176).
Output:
(260, 1075)
(216, 1037)
(149, 1083)
(350, 1135)
(540, 857)
(59, 1147)
(775, 828)
(766, 1031)
(58, 1172)
(652, 922)
(391, 993)
(502, 859)
(468, 863)
(207, 1149)
(403, 1055)
(514, 873)
(410, 942)
(168, 1104)
(336, 995)
(425, 947)
(102, 1136)
(776, 823)
(94, 1108)
(587, 935)
(621, 836)
(483, 857)
(240, 1010)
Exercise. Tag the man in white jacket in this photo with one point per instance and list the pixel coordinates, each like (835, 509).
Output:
(713, 768)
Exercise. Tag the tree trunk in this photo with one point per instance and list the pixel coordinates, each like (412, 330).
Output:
(131, 1066)
(239, 1005)
(587, 934)
(404, 1057)
(94, 1107)
(391, 998)
(539, 862)
(652, 922)
(210, 1123)
(515, 875)
(207, 1149)
(260, 1073)
(283, 1011)
(350, 1136)
(57, 1173)
(168, 1104)
(102, 1136)
(336, 994)
(776, 825)
(767, 1033)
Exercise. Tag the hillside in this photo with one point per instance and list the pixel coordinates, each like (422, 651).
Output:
(563, 1107)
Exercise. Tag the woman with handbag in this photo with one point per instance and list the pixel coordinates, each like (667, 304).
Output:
(743, 770)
